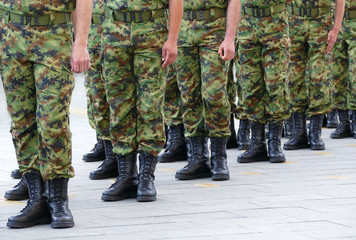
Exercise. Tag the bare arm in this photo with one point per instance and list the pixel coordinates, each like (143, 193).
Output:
(82, 18)
(227, 47)
(170, 49)
(339, 14)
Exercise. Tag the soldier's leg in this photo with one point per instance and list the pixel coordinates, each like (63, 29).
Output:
(252, 85)
(172, 113)
(352, 72)
(297, 84)
(214, 72)
(319, 82)
(275, 54)
(189, 83)
(339, 80)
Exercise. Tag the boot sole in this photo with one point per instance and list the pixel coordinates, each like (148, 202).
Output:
(296, 147)
(277, 160)
(243, 147)
(62, 225)
(340, 137)
(16, 197)
(26, 225)
(189, 177)
(109, 198)
(317, 147)
(165, 160)
(146, 198)
(86, 159)
(331, 125)
(98, 177)
(259, 159)
(220, 177)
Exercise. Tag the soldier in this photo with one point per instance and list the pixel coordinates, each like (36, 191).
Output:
(311, 40)
(100, 113)
(343, 74)
(263, 55)
(207, 42)
(133, 35)
(172, 111)
(37, 38)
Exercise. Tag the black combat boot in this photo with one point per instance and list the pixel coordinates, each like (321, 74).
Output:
(146, 191)
(125, 185)
(220, 171)
(299, 139)
(316, 123)
(36, 210)
(344, 129)
(275, 152)
(289, 127)
(331, 119)
(58, 203)
(97, 153)
(232, 140)
(18, 192)
(175, 147)
(198, 160)
(257, 150)
(353, 125)
(108, 168)
(16, 174)
(243, 134)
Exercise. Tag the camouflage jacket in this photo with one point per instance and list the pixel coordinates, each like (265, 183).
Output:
(37, 7)
(137, 5)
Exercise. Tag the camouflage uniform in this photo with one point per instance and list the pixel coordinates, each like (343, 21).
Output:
(172, 110)
(98, 108)
(263, 80)
(134, 77)
(310, 93)
(343, 68)
(38, 83)
(201, 73)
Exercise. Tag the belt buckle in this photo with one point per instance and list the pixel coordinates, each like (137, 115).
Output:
(194, 15)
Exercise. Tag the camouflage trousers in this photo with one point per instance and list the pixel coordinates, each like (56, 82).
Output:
(135, 84)
(308, 73)
(263, 56)
(172, 110)
(234, 89)
(38, 84)
(98, 107)
(343, 68)
(202, 79)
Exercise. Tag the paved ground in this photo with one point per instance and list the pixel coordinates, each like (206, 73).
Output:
(311, 196)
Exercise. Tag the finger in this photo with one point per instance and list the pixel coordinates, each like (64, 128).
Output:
(163, 54)
(220, 51)
(166, 60)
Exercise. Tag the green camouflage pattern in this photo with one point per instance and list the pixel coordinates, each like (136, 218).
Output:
(261, 3)
(343, 68)
(137, 5)
(38, 84)
(263, 56)
(309, 91)
(232, 87)
(311, 3)
(38, 7)
(172, 106)
(135, 83)
(202, 78)
(98, 107)
(204, 4)
(350, 4)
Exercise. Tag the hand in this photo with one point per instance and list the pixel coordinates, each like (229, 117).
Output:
(332, 37)
(169, 53)
(80, 59)
(227, 50)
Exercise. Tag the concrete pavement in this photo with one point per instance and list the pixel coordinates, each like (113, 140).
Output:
(311, 196)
